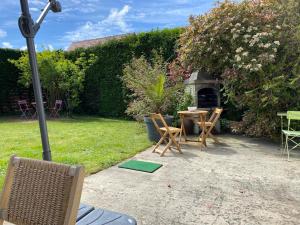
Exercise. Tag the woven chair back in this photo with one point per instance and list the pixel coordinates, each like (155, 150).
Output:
(41, 193)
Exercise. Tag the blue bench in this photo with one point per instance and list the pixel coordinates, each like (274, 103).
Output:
(88, 215)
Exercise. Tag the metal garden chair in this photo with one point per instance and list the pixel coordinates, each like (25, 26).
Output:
(166, 133)
(291, 135)
(54, 112)
(25, 109)
(41, 193)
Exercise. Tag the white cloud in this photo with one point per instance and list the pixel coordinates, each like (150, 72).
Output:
(50, 47)
(2, 33)
(117, 18)
(115, 23)
(23, 48)
(34, 9)
(37, 2)
(7, 45)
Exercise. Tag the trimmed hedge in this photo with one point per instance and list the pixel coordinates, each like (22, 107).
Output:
(104, 93)
(10, 90)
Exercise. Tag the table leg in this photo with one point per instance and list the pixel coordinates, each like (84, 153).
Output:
(281, 132)
(182, 128)
(203, 132)
(34, 115)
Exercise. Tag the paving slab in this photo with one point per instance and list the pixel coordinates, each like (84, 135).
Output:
(241, 181)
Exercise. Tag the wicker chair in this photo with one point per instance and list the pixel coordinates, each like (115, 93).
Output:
(41, 193)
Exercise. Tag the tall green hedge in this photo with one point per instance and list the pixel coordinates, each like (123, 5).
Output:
(9, 75)
(104, 93)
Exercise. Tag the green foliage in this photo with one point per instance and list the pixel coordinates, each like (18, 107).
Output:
(9, 75)
(254, 47)
(152, 91)
(185, 100)
(104, 93)
(61, 78)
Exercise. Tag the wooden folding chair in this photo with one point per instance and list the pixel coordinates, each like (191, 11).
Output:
(54, 112)
(168, 134)
(25, 109)
(41, 193)
(210, 124)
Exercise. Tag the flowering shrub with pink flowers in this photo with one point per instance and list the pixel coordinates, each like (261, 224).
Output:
(253, 46)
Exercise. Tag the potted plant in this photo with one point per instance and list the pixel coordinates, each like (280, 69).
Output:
(151, 91)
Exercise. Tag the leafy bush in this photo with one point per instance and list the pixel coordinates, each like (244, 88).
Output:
(254, 47)
(60, 77)
(152, 91)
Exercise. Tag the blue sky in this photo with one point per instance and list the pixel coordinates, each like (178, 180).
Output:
(87, 19)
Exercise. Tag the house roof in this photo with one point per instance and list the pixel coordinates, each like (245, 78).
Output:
(94, 42)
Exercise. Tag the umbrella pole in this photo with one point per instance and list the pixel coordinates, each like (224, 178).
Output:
(39, 99)
(29, 29)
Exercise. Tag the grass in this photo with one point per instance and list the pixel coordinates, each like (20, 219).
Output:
(96, 143)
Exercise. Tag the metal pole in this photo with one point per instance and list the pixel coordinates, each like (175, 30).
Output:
(39, 99)
(26, 26)
(42, 16)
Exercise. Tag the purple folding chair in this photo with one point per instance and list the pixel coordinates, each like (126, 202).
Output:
(25, 109)
(54, 112)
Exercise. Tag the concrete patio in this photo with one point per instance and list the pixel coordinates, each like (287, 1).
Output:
(241, 181)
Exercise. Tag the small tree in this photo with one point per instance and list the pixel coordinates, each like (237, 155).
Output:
(152, 90)
(61, 78)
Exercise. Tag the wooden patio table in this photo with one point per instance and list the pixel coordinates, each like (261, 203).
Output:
(195, 116)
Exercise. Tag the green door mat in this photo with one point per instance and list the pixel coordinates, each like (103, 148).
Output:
(140, 166)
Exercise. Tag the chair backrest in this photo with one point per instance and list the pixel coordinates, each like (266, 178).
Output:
(155, 117)
(23, 105)
(41, 193)
(58, 104)
(215, 115)
(293, 115)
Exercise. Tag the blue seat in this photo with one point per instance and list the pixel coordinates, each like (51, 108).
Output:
(88, 215)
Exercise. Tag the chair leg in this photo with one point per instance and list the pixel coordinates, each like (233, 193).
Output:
(288, 151)
(166, 148)
(23, 116)
(176, 143)
(160, 141)
(283, 147)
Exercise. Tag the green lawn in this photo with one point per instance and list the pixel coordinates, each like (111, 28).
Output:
(96, 143)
